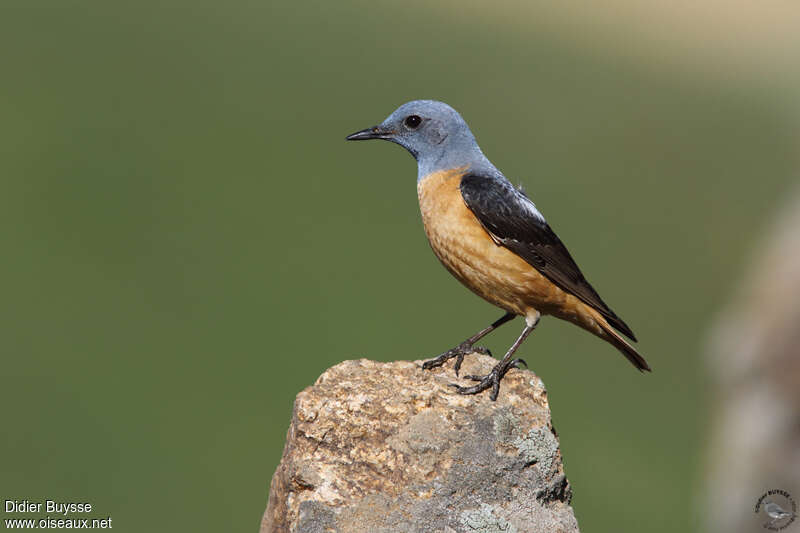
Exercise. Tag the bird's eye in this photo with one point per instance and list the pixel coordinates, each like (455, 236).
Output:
(412, 122)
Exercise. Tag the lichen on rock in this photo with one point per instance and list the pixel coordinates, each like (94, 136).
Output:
(390, 448)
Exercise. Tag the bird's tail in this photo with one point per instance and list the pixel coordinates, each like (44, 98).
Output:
(622, 345)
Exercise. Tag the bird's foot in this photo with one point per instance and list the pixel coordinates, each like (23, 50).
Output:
(458, 353)
(492, 379)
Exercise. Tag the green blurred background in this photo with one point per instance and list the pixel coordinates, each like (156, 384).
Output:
(187, 240)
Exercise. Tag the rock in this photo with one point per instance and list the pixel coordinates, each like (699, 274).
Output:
(390, 448)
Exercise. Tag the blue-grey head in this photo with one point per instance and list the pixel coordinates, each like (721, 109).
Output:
(434, 133)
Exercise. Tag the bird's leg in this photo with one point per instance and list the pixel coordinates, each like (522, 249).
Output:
(493, 378)
(467, 347)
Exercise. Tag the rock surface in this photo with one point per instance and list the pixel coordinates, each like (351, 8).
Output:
(390, 448)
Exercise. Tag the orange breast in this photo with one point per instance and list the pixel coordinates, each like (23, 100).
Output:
(469, 253)
(491, 271)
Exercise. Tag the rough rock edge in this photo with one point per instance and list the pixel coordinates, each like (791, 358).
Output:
(383, 447)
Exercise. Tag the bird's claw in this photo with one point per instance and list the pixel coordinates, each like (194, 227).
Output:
(492, 379)
(458, 353)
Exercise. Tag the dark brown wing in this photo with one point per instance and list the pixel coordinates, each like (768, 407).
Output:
(514, 222)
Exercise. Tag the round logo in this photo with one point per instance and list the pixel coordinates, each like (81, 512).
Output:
(778, 507)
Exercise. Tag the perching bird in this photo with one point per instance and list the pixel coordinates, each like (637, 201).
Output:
(491, 237)
(776, 512)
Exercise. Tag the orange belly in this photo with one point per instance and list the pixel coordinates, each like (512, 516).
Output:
(491, 271)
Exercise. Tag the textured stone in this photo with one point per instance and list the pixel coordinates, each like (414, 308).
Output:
(390, 448)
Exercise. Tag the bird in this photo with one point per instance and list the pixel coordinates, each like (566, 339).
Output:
(490, 235)
(775, 512)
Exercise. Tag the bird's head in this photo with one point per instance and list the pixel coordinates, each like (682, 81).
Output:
(432, 131)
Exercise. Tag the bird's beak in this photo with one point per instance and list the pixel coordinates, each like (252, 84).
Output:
(375, 132)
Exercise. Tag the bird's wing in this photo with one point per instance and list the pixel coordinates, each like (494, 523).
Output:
(513, 221)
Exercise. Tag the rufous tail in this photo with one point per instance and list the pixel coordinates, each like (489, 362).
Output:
(622, 345)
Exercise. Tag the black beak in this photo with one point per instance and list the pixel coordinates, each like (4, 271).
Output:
(375, 132)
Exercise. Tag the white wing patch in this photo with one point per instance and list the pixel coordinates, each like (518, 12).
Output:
(530, 208)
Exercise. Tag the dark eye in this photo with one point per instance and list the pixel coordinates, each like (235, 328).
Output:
(412, 122)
